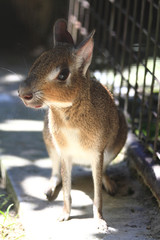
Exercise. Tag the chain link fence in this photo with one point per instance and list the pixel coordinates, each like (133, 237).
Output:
(127, 58)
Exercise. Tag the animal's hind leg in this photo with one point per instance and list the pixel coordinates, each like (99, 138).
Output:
(109, 184)
(97, 170)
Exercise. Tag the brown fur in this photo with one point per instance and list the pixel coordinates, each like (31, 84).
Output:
(85, 120)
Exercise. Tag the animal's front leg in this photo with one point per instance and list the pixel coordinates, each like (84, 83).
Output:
(97, 166)
(55, 181)
(66, 167)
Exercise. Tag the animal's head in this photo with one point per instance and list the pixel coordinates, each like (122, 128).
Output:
(59, 74)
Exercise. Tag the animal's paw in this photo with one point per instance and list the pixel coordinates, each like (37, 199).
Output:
(109, 185)
(64, 217)
(53, 192)
(102, 225)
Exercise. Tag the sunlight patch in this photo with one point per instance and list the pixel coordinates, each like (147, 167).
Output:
(12, 77)
(22, 125)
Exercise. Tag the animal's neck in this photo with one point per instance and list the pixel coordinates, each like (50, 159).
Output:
(82, 97)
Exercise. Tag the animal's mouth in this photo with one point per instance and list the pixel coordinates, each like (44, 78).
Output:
(38, 106)
(30, 100)
(32, 104)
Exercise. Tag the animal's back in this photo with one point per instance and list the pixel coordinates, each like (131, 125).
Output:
(105, 110)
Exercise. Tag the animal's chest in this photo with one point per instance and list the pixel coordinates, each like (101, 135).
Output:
(72, 140)
(69, 143)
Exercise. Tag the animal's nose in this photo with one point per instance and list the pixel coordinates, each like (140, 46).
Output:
(27, 96)
(25, 92)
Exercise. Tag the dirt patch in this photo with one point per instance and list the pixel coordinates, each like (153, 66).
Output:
(10, 225)
(131, 184)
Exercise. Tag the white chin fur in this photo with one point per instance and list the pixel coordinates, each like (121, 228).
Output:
(61, 104)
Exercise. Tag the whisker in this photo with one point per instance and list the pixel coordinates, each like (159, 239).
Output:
(41, 98)
(25, 63)
(10, 71)
(38, 91)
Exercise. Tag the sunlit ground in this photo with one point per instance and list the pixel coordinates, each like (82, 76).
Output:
(108, 78)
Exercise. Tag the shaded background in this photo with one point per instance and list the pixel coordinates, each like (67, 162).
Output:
(27, 24)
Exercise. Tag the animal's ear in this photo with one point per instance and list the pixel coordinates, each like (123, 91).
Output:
(84, 52)
(60, 33)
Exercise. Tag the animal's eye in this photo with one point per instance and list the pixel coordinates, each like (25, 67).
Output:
(63, 75)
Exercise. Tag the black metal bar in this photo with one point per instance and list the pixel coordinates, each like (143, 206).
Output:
(117, 38)
(144, 80)
(157, 134)
(98, 23)
(137, 66)
(127, 35)
(124, 42)
(152, 85)
(105, 25)
(130, 51)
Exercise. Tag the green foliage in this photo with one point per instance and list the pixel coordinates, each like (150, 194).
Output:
(8, 224)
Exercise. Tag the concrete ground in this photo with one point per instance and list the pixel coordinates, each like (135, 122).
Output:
(132, 214)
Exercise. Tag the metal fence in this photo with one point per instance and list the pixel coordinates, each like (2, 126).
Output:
(127, 57)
